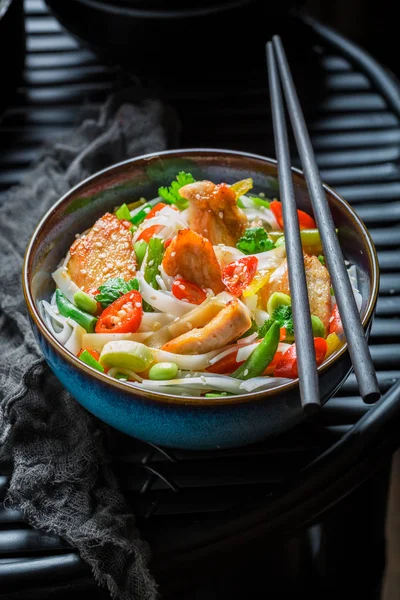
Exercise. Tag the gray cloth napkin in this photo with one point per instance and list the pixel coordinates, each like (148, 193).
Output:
(61, 475)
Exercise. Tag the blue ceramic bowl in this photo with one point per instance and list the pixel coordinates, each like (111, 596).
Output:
(183, 422)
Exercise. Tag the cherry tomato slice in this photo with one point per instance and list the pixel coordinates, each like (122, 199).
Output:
(239, 274)
(186, 290)
(124, 315)
(148, 233)
(335, 323)
(227, 364)
(305, 221)
(287, 365)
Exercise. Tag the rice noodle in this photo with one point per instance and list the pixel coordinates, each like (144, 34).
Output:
(114, 370)
(188, 362)
(153, 321)
(65, 283)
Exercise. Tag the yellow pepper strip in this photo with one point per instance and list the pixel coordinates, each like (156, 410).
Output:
(242, 187)
(333, 343)
(258, 282)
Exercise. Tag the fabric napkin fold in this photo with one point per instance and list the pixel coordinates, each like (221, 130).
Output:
(61, 474)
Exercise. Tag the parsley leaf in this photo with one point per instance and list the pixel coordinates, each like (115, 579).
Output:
(262, 331)
(283, 314)
(113, 288)
(255, 240)
(171, 194)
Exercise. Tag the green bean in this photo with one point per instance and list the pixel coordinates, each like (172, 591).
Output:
(261, 356)
(277, 299)
(89, 360)
(155, 253)
(140, 216)
(163, 370)
(317, 327)
(140, 248)
(123, 213)
(85, 302)
(67, 309)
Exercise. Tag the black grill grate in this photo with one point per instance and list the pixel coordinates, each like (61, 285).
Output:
(181, 497)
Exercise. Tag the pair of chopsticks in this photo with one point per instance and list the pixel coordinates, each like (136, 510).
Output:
(355, 337)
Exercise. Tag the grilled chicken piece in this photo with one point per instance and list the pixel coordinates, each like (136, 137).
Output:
(192, 257)
(318, 285)
(105, 251)
(213, 212)
(228, 325)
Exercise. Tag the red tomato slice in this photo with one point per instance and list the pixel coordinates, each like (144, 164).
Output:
(148, 233)
(271, 367)
(287, 365)
(335, 323)
(227, 364)
(155, 210)
(239, 274)
(305, 221)
(124, 315)
(186, 290)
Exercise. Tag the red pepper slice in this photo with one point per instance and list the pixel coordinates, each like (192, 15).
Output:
(335, 323)
(124, 315)
(227, 364)
(271, 367)
(287, 365)
(305, 221)
(239, 274)
(156, 209)
(186, 290)
(148, 233)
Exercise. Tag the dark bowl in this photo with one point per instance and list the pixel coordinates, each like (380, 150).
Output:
(183, 422)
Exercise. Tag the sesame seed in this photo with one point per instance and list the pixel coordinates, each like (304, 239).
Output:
(98, 244)
(173, 254)
(103, 255)
(245, 372)
(181, 286)
(138, 304)
(83, 271)
(114, 237)
(150, 263)
(110, 265)
(221, 214)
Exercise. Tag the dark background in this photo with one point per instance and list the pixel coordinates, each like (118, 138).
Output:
(372, 25)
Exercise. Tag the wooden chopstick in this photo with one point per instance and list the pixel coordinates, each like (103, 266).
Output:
(307, 367)
(352, 326)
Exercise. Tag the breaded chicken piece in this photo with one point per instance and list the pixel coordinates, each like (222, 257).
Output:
(105, 251)
(318, 285)
(192, 257)
(227, 326)
(213, 212)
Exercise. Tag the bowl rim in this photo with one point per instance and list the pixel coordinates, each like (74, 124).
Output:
(165, 398)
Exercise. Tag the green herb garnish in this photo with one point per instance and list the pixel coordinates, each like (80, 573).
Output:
(254, 241)
(283, 315)
(113, 288)
(171, 194)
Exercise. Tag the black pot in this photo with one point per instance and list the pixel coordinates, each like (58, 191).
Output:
(181, 38)
(12, 48)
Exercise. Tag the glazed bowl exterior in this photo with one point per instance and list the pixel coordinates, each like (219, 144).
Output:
(163, 419)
